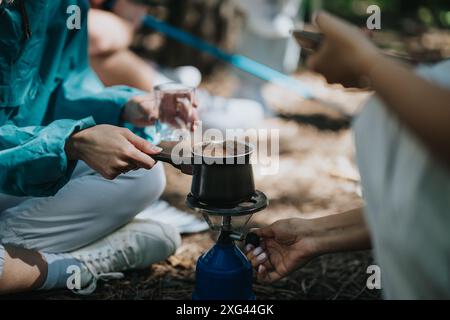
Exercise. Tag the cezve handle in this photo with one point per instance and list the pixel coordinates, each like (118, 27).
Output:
(253, 239)
(166, 156)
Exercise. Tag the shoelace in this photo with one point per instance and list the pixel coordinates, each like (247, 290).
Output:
(98, 267)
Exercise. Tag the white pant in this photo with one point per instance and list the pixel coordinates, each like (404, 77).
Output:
(86, 209)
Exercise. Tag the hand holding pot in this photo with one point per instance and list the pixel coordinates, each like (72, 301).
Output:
(111, 150)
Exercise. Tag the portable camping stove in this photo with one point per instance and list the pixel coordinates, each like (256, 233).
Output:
(224, 272)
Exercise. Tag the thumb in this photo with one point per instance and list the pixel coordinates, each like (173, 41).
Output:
(266, 232)
(142, 144)
(331, 25)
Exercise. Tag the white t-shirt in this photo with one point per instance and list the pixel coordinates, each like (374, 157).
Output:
(407, 193)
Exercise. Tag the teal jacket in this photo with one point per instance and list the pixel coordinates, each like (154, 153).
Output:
(47, 92)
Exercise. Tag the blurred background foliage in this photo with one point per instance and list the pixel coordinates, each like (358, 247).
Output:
(417, 28)
(403, 15)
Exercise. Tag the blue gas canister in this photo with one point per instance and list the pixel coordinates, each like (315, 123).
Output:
(224, 273)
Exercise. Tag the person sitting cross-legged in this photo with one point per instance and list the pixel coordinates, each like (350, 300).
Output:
(72, 179)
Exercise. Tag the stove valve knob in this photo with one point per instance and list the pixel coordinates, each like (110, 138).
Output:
(253, 239)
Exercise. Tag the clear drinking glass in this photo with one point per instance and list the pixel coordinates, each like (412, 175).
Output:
(175, 102)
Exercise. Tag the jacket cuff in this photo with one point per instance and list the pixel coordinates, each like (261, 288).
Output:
(68, 166)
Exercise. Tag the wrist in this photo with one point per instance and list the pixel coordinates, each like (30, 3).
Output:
(127, 109)
(313, 233)
(340, 232)
(324, 235)
(72, 146)
(370, 61)
(123, 115)
(364, 68)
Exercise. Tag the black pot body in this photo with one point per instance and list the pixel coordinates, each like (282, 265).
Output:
(223, 184)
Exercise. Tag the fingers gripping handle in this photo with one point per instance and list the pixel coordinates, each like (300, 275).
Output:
(253, 239)
(166, 156)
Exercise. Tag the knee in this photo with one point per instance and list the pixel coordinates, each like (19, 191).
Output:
(148, 186)
(134, 192)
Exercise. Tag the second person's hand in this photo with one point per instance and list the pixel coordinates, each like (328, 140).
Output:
(346, 55)
(286, 245)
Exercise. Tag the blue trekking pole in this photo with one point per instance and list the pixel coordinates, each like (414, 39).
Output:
(239, 61)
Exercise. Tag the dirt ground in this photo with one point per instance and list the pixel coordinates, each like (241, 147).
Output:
(317, 176)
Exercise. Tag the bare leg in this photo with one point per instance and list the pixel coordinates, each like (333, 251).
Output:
(109, 39)
(23, 270)
(124, 68)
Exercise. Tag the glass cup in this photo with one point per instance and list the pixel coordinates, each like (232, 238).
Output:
(175, 103)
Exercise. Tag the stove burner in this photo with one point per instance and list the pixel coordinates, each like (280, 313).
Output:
(224, 272)
(256, 203)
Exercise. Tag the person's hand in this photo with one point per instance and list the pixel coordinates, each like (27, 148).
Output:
(179, 110)
(141, 111)
(111, 150)
(286, 245)
(346, 55)
(175, 109)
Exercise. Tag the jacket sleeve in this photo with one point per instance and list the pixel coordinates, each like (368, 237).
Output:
(83, 95)
(32, 159)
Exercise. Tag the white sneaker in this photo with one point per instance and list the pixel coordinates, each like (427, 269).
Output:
(184, 222)
(137, 245)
